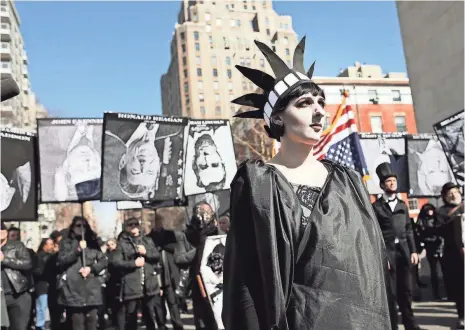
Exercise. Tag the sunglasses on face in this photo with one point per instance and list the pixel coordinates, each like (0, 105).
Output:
(79, 225)
(132, 225)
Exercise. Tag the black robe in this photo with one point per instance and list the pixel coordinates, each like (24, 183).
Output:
(335, 277)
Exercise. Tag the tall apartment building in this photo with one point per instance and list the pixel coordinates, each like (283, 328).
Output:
(209, 39)
(433, 38)
(22, 110)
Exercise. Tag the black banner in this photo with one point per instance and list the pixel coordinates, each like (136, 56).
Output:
(70, 152)
(450, 134)
(143, 157)
(18, 175)
(210, 158)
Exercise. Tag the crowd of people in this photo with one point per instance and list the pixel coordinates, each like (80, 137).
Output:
(85, 283)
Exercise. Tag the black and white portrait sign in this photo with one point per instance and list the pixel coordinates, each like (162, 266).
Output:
(70, 159)
(218, 200)
(385, 147)
(211, 271)
(18, 183)
(142, 157)
(450, 134)
(428, 167)
(210, 159)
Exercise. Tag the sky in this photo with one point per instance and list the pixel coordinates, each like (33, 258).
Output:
(106, 214)
(89, 57)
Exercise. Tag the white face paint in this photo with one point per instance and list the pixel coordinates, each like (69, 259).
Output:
(303, 119)
(6, 193)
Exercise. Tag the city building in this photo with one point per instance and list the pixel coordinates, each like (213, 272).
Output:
(381, 102)
(433, 36)
(209, 39)
(22, 110)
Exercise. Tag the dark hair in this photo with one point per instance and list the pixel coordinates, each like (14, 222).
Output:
(276, 129)
(89, 235)
(13, 229)
(54, 235)
(42, 243)
(424, 210)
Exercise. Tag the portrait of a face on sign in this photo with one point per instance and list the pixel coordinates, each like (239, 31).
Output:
(70, 159)
(210, 159)
(143, 157)
(385, 148)
(427, 165)
(450, 133)
(218, 200)
(211, 270)
(18, 195)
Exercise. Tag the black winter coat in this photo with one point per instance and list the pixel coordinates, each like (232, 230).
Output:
(136, 282)
(17, 264)
(330, 275)
(75, 290)
(43, 272)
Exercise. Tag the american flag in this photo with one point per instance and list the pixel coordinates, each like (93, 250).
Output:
(341, 143)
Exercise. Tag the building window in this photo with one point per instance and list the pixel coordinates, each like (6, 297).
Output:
(216, 85)
(184, 61)
(286, 40)
(183, 48)
(183, 35)
(197, 59)
(229, 73)
(413, 204)
(208, 28)
(228, 60)
(245, 6)
(185, 73)
(218, 110)
(373, 95)
(196, 35)
(396, 97)
(197, 46)
(400, 123)
(226, 42)
(199, 72)
(241, 61)
(195, 19)
(217, 97)
(238, 22)
(208, 16)
(200, 84)
(267, 21)
(218, 22)
(201, 98)
(230, 86)
(268, 33)
(376, 124)
(210, 40)
(288, 52)
(186, 87)
(248, 62)
(215, 72)
(233, 22)
(262, 62)
(254, 8)
(202, 110)
(214, 60)
(286, 26)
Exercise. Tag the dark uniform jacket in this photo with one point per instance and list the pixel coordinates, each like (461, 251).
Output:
(394, 225)
(334, 277)
(450, 227)
(75, 290)
(136, 282)
(17, 265)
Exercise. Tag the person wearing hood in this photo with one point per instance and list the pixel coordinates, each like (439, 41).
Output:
(450, 218)
(434, 245)
(80, 262)
(165, 241)
(203, 224)
(393, 218)
(136, 259)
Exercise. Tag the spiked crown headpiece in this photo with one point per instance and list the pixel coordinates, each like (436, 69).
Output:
(275, 89)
